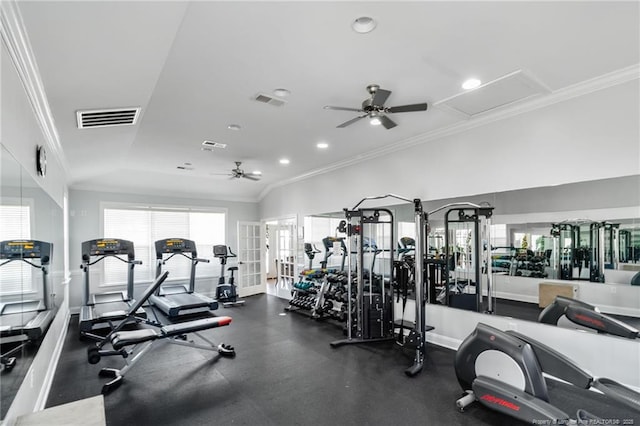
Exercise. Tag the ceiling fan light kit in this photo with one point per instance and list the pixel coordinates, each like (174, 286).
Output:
(238, 173)
(373, 108)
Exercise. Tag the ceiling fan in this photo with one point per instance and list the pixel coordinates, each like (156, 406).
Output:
(238, 173)
(374, 108)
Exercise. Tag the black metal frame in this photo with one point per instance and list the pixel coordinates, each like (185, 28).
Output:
(469, 213)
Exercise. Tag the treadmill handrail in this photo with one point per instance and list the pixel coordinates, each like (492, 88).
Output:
(35, 265)
(117, 256)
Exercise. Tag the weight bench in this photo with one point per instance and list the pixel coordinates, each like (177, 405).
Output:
(124, 343)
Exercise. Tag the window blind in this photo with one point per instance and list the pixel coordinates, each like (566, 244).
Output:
(145, 225)
(15, 277)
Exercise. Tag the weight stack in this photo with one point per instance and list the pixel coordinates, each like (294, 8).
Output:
(377, 317)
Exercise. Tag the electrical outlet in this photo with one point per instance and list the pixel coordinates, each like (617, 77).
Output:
(613, 289)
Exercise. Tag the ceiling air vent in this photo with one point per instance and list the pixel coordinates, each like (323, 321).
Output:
(107, 117)
(506, 90)
(266, 99)
(211, 145)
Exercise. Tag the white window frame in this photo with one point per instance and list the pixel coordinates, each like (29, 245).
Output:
(29, 280)
(138, 277)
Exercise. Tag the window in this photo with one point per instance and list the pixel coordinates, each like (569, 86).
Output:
(316, 229)
(406, 229)
(145, 225)
(16, 277)
(498, 235)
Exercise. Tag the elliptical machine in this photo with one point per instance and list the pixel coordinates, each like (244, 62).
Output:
(226, 292)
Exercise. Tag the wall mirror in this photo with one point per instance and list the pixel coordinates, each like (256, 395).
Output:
(31, 271)
(524, 250)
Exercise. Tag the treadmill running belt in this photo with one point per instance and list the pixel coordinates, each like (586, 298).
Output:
(102, 309)
(187, 300)
(13, 324)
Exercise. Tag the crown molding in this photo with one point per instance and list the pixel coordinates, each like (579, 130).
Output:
(586, 87)
(14, 36)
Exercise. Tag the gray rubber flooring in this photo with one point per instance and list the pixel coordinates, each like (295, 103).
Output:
(284, 373)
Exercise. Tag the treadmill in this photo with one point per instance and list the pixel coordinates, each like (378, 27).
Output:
(179, 299)
(25, 320)
(100, 308)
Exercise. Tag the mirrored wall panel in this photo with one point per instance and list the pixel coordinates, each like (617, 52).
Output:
(31, 271)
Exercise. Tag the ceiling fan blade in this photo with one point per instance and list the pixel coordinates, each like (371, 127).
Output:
(250, 177)
(387, 122)
(337, 108)
(353, 120)
(380, 97)
(407, 108)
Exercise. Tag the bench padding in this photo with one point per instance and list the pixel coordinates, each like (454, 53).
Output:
(121, 339)
(197, 325)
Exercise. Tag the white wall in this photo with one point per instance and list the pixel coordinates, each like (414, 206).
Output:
(85, 214)
(609, 297)
(20, 132)
(591, 137)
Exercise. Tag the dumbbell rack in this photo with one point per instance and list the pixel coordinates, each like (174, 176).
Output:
(320, 294)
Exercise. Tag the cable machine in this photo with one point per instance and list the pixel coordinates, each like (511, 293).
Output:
(475, 222)
(370, 313)
(586, 248)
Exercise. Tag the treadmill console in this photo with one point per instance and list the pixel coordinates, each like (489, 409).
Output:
(25, 249)
(107, 247)
(175, 245)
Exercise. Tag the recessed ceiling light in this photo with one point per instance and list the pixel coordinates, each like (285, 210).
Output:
(363, 25)
(282, 93)
(256, 172)
(471, 83)
(284, 161)
(322, 145)
(234, 127)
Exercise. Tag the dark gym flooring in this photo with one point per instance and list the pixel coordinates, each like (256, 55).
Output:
(284, 373)
(10, 381)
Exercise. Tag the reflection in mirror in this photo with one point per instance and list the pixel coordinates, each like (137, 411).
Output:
(322, 234)
(31, 225)
(527, 258)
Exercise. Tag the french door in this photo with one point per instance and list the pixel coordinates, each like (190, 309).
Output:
(250, 241)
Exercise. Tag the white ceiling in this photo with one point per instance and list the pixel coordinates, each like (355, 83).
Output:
(194, 68)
